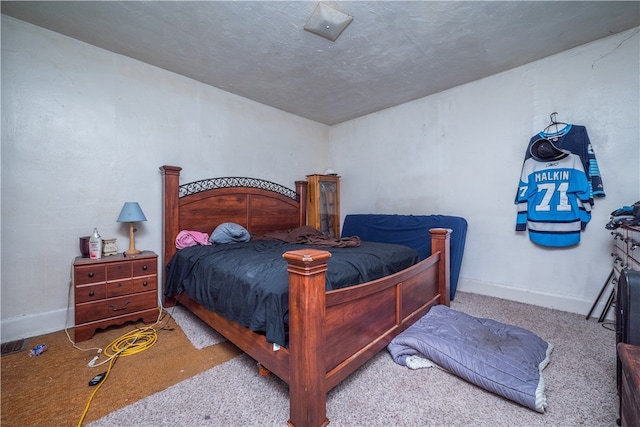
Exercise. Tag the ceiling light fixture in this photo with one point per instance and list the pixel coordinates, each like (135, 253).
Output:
(327, 22)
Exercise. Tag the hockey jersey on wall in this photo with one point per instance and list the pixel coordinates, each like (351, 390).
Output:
(553, 196)
(574, 138)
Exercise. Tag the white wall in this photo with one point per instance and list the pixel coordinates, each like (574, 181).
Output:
(460, 152)
(84, 130)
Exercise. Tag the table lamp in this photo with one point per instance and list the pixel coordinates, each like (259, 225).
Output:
(131, 213)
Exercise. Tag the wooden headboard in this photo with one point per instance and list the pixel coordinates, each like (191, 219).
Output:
(258, 205)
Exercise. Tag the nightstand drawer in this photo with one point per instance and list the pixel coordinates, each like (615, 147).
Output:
(119, 287)
(86, 293)
(142, 284)
(120, 270)
(145, 267)
(89, 274)
(88, 312)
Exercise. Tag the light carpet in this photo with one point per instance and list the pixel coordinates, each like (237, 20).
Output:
(199, 333)
(581, 386)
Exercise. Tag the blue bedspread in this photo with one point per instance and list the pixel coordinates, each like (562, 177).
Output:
(411, 231)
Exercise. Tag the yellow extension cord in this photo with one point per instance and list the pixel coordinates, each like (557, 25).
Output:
(128, 344)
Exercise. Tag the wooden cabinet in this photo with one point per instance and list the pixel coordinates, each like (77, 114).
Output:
(324, 203)
(626, 248)
(630, 385)
(626, 256)
(114, 290)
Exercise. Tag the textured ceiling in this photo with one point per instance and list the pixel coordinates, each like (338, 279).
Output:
(393, 51)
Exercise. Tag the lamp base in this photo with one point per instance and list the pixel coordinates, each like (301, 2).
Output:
(132, 242)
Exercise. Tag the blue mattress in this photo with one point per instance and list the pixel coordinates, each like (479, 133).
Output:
(411, 231)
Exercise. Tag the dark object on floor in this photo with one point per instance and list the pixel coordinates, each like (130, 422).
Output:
(628, 307)
(13, 346)
(97, 379)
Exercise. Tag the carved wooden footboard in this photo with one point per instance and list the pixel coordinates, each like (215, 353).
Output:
(331, 334)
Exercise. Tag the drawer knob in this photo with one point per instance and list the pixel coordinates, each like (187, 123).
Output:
(119, 284)
(113, 306)
(91, 293)
(90, 274)
(144, 267)
(145, 283)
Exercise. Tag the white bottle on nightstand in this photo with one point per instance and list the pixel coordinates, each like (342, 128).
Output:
(95, 245)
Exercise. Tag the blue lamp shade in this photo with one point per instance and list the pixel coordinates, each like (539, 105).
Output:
(131, 212)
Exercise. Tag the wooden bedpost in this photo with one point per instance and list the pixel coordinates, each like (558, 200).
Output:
(440, 242)
(170, 219)
(301, 189)
(307, 309)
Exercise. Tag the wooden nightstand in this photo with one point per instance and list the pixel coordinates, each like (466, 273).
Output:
(114, 290)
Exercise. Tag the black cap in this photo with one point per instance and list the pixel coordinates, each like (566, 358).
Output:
(543, 149)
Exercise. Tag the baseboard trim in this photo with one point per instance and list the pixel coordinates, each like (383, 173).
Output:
(23, 327)
(29, 326)
(527, 296)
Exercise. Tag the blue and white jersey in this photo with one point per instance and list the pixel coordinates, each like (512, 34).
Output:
(575, 139)
(553, 200)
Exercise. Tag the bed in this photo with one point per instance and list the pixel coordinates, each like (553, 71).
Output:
(331, 333)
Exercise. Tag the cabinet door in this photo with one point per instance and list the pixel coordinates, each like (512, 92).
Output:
(324, 204)
(328, 208)
(633, 252)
